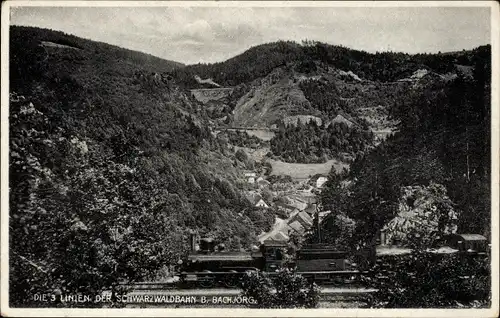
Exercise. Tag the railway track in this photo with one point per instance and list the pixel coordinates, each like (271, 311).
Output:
(176, 285)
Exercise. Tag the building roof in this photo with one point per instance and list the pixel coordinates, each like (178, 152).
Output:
(317, 176)
(295, 197)
(263, 181)
(321, 181)
(253, 197)
(284, 205)
(324, 213)
(472, 237)
(280, 236)
(397, 250)
(271, 242)
(296, 226)
(305, 217)
(223, 256)
(261, 200)
(311, 208)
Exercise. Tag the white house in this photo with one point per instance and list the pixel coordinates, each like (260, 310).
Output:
(262, 183)
(250, 177)
(321, 181)
(261, 204)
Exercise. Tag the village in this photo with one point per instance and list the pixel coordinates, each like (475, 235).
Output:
(295, 205)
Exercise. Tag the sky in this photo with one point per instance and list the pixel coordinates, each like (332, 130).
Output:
(212, 34)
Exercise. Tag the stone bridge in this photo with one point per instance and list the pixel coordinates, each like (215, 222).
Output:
(245, 128)
(264, 134)
(208, 94)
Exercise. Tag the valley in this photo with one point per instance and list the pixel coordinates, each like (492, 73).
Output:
(276, 100)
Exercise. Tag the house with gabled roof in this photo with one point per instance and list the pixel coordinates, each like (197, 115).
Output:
(256, 200)
(285, 208)
(311, 209)
(297, 227)
(250, 176)
(303, 218)
(296, 201)
(262, 183)
(318, 181)
(261, 204)
(280, 236)
(467, 242)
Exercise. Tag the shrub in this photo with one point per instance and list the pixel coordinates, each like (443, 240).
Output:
(286, 290)
(426, 280)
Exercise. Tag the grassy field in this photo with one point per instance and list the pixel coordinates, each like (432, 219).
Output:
(263, 134)
(300, 171)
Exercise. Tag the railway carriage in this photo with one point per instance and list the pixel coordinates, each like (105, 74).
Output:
(319, 262)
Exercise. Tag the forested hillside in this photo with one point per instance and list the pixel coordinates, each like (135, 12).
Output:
(260, 60)
(311, 143)
(278, 82)
(443, 139)
(110, 166)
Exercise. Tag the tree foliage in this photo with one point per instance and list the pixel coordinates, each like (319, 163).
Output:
(426, 280)
(310, 143)
(285, 290)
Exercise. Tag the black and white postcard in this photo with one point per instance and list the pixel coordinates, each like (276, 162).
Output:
(225, 158)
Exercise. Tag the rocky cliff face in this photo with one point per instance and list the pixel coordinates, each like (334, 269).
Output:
(280, 97)
(270, 99)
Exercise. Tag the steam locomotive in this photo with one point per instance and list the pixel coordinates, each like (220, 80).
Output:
(319, 262)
